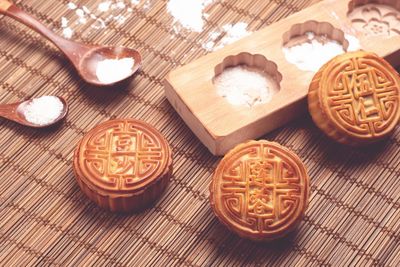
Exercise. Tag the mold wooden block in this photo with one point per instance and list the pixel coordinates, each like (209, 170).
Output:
(220, 125)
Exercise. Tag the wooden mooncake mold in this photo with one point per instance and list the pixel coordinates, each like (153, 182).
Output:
(355, 98)
(375, 17)
(123, 165)
(323, 31)
(260, 190)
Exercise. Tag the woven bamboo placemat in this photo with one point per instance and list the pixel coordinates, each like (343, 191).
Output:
(354, 213)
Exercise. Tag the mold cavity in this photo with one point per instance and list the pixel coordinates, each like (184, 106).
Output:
(375, 17)
(311, 44)
(247, 80)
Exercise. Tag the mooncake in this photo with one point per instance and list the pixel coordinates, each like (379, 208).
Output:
(260, 190)
(354, 98)
(123, 165)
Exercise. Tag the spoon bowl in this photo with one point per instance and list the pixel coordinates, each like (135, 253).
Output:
(16, 112)
(107, 65)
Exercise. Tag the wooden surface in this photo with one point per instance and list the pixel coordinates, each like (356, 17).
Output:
(220, 125)
(354, 212)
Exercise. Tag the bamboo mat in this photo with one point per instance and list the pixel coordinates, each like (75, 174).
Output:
(354, 213)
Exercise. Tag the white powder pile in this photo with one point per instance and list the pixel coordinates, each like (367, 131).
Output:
(188, 13)
(43, 110)
(313, 53)
(109, 71)
(230, 33)
(244, 86)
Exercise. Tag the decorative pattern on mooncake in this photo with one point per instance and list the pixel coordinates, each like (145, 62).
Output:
(355, 98)
(127, 161)
(260, 190)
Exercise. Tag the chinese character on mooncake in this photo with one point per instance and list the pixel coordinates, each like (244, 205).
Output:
(260, 190)
(123, 165)
(355, 98)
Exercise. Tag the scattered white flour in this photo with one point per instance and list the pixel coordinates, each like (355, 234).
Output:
(241, 85)
(68, 33)
(64, 22)
(104, 6)
(103, 14)
(120, 19)
(119, 5)
(111, 71)
(188, 13)
(313, 53)
(86, 10)
(147, 5)
(43, 110)
(66, 30)
(230, 33)
(72, 6)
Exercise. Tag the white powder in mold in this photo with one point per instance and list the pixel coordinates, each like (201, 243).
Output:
(313, 53)
(244, 86)
(43, 110)
(109, 71)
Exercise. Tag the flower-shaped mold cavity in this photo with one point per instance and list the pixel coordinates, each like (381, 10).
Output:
(375, 17)
(247, 79)
(311, 44)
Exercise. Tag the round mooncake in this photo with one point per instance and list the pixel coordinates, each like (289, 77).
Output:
(354, 98)
(123, 165)
(260, 190)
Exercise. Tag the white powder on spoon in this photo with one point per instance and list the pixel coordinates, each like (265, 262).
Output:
(242, 85)
(109, 71)
(43, 110)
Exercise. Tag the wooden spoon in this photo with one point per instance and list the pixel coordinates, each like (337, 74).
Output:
(84, 57)
(14, 112)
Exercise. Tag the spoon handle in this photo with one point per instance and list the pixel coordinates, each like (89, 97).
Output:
(8, 111)
(9, 9)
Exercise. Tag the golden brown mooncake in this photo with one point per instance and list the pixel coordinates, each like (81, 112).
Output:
(123, 165)
(260, 190)
(354, 98)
